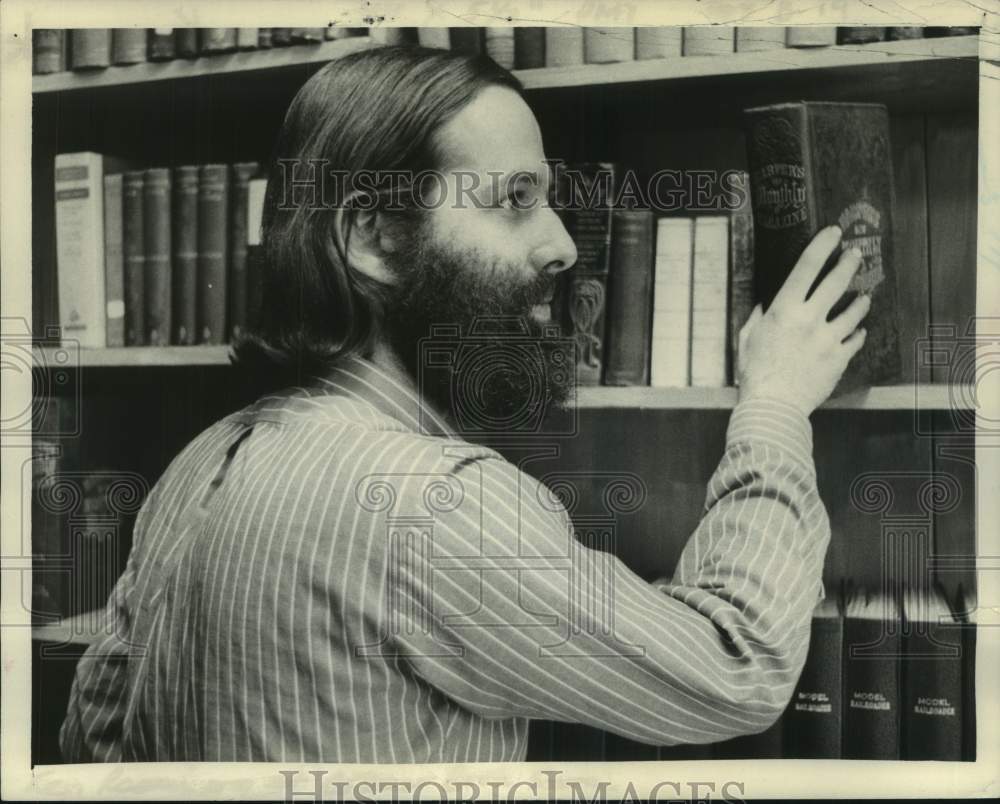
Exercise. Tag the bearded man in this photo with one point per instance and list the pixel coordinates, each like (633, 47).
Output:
(335, 574)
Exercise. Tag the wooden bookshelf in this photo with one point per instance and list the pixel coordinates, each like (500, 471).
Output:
(926, 54)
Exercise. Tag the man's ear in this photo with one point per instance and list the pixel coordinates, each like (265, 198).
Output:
(363, 239)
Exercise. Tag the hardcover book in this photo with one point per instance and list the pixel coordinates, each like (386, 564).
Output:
(134, 257)
(213, 252)
(709, 294)
(670, 358)
(811, 35)
(817, 164)
(759, 37)
(156, 242)
(48, 50)
(741, 271)
(499, 45)
(162, 45)
(90, 48)
(607, 45)
(629, 297)
(563, 46)
(114, 265)
(128, 45)
(184, 233)
(241, 174)
(709, 40)
(658, 41)
(529, 47)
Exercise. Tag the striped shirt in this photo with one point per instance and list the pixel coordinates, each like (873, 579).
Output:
(331, 575)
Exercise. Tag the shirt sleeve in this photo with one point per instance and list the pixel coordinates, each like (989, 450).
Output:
(510, 615)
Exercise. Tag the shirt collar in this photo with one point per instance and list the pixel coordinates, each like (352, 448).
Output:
(387, 389)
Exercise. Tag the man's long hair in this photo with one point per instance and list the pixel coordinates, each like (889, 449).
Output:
(374, 110)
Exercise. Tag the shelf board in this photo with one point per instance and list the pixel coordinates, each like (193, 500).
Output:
(55, 356)
(83, 629)
(786, 59)
(889, 397)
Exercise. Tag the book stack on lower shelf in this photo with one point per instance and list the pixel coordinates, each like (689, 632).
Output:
(887, 677)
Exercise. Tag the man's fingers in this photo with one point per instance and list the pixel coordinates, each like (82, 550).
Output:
(808, 267)
(836, 282)
(845, 323)
(855, 342)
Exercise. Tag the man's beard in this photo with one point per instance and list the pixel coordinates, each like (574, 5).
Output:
(462, 327)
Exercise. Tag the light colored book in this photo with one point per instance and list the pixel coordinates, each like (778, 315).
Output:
(756, 38)
(563, 46)
(256, 188)
(114, 263)
(434, 37)
(247, 38)
(658, 41)
(709, 286)
(608, 45)
(709, 40)
(500, 46)
(670, 352)
(811, 35)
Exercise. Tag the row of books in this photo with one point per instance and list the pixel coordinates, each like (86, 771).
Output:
(887, 677)
(57, 50)
(661, 300)
(522, 48)
(154, 256)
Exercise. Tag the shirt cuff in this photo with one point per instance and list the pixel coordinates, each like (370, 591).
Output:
(771, 421)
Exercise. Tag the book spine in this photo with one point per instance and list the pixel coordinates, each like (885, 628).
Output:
(607, 45)
(264, 38)
(859, 34)
(213, 198)
(586, 287)
(240, 177)
(308, 36)
(871, 689)
(499, 46)
(741, 274)
(670, 352)
(184, 231)
(563, 47)
(814, 719)
(128, 45)
(162, 44)
(811, 35)
(388, 35)
(256, 189)
(468, 40)
(48, 51)
(629, 298)
(281, 37)
(156, 241)
(709, 291)
(247, 38)
(709, 40)
(760, 37)
(439, 38)
(134, 257)
(79, 215)
(90, 48)
(216, 40)
(658, 42)
(529, 48)
(931, 692)
(49, 579)
(114, 265)
(966, 616)
(186, 42)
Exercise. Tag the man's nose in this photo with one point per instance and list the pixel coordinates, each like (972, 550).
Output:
(559, 251)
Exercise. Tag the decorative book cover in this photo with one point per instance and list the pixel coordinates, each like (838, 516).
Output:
(240, 177)
(629, 297)
(184, 231)
(817, 164)
(156, 242)
(814, 718)
(591, 187)
(213, 252)
(134, 251)
(931, 678)
(871, 653)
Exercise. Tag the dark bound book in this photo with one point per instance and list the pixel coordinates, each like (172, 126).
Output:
(184, 234)
(156, 240)
(575, 742)
(241, 174)
(904, 32)
(467, 40)
(90, 48)
(264, 38)
(741, 282)
(134, 258)
(813, 165)
(186, 42)
(966, 615)
(623, 749)
(814, 718)
(871, 677)
(859, 35)
(213, 252)
(630, 297)
(128, 45)
(48, 51)
(529, 48)
(49, 577)
(161, 44)
(114, 265)
(931, 678)
(767, 744)
(281, 37)
(590, 190)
